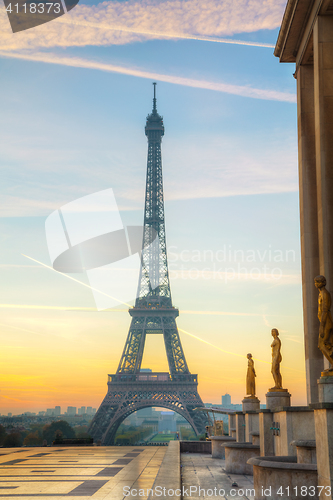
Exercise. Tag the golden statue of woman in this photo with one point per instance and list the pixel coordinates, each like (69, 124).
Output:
(276, 360)
(325, 340)
(250, 377)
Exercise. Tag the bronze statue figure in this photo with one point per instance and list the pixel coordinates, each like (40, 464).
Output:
(276, 360)
(250, 377)
(325, 339)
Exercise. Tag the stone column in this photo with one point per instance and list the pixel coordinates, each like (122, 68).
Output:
(309, 226)
(323, 100)
(266, 434)
(251, 425)
(323, 415)
(232, 424)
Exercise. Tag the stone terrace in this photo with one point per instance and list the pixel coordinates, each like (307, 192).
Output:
(81, 473)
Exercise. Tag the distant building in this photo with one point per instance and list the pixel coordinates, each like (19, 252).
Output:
(182, 422)
(71, 410)
(150, 423)
(226, 400)
(10, 414)
(41, 413)
(57, 411)
(167, 422)
(50, 412)
(81, 411)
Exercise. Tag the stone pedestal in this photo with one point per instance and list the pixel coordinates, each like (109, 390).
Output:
(218, 450)
(323, 416)
(282, 478)
(305, 451)
(240, 427)
(250, 404)
(237, 456)
(325, 389)
(277, 399)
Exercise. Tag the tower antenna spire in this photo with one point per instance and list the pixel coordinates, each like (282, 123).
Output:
(154, 100)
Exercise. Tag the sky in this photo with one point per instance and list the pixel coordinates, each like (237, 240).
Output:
(75, 93)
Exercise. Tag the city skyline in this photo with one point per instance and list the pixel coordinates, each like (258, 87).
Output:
(88, 410)
(230, 183)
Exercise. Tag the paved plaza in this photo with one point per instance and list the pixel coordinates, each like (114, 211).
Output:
(103, 473)
(77, 472)
(201, 470)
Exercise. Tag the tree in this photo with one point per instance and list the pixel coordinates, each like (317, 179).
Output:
(37, 429)
(3, 434)
(61, 428)
(33, 439)
(12, 440)
(81, 431)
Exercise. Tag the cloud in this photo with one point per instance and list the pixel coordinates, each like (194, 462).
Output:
(293, 338)
(195, 167)
(114, 23)
(17, 206)
(222, 167)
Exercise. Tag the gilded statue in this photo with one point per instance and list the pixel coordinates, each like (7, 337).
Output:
(250, 377)
(325, 339)
(276, 360)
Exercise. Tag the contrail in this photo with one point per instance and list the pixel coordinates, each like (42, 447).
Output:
(77, 281)
(13, 399)
(77, 62)
(232, 353)
(216, 347)
(21, 329)
(4, 325)
(58, 308)
(201, 38)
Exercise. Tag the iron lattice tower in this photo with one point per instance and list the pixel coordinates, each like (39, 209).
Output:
(129, 389)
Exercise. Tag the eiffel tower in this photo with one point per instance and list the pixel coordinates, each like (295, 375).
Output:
(130, 389)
